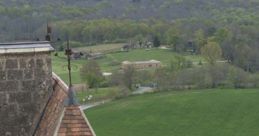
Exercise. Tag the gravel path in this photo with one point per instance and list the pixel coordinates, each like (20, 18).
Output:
(140, 90)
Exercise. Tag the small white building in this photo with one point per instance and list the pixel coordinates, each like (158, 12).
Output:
(106, 74)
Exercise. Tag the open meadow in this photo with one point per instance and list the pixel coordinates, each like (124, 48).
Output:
(212, 112)
(101, 48)
(112, 61)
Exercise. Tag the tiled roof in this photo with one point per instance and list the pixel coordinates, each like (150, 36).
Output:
(59, 120)
(74, 123)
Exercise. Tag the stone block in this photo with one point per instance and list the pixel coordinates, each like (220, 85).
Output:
(31, 63)
(11, 98)
(24, 130)
(28, 86)
(28, 108)
(2, 99)
(23, 63)
(39, 63)
(23, 97)
(14, 75)
(2, 64)
(6, 111)
(27, 63)
(2, 75)
(11, 64)
(12, 116)
(48, 62)
(28, 74)
(40, 74)
(9, 86)
(41, 84)
(2, 88)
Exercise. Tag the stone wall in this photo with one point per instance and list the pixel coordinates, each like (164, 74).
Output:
(25, 88)
(139, 65)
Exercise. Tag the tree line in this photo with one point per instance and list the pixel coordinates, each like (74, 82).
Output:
(237, 43)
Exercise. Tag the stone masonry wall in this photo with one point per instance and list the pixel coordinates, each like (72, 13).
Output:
(25, 87)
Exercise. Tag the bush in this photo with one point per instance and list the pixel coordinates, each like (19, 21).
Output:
(254, 80)
(104, 84)
(200, 63)
(124, 92)
(114, 63)
(61, 48)
(207, 76)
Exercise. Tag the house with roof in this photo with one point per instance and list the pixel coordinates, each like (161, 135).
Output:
(33, 100)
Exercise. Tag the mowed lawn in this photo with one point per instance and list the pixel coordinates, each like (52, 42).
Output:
(59, 66)
(191, 113)
(97, 95)
(112, 61)
(101, 47)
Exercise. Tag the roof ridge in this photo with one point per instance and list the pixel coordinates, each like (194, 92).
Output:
(74, 122)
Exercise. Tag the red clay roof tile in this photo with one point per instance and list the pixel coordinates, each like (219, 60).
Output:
(60, 120)
(74, 123)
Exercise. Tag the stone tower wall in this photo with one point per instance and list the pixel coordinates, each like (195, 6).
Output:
(25, 88)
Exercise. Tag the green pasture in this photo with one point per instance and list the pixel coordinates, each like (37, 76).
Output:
(102, 48)
(112, 61)
(59, 66)
(97, 94)
(212, 112)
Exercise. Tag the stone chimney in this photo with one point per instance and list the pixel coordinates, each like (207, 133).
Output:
(25, 86)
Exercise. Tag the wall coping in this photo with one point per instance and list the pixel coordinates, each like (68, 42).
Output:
(25, 47)
(60, 82)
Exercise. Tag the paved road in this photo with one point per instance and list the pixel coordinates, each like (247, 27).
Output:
(90, 105)
(140, 90)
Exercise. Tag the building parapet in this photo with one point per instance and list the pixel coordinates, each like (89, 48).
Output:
(25, 47)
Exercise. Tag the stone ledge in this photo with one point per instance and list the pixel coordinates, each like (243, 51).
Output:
(25, 47)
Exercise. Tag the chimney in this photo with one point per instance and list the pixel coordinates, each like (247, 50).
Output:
(25, 86)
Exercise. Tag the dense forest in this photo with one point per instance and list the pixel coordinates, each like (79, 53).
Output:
(233, 24)
(22, 19)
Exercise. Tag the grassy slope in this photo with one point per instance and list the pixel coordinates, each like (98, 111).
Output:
(165, 56)
(59, 66)
(99, 94)
(200, 113)
(101, 47)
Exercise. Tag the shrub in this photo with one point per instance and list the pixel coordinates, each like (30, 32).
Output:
(207, 76)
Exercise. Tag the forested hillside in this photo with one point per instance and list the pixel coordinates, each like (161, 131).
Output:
(134, 9)
(233, 24)
(20, 19)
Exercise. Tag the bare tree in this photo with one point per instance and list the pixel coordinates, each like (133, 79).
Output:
(128, 77)
(91, 73)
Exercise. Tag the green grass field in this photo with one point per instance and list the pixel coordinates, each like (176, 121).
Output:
(197, 113)
(165, 56)
(112, 61)
(99, 94)
(59, 66)
(101, 48)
